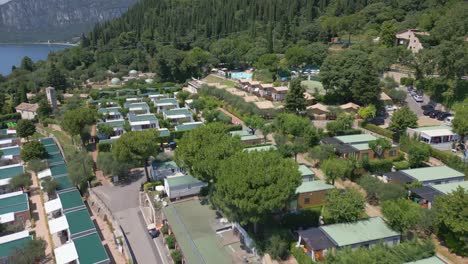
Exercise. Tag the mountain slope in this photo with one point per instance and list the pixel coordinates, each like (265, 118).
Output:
(55, 20)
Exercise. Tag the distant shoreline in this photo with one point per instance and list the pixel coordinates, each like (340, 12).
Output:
(39, 43)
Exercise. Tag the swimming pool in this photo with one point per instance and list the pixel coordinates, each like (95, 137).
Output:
(241, 75)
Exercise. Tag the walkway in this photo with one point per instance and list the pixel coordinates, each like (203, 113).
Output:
(40, 219)
(234, 119)
(94, 154)
(108, 238)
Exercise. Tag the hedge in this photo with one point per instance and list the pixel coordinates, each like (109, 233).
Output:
(104, 146)
(300, 256)
(401, 165)
(349, 132)
(378, 166)
(241, 107)
(376, 129)
(10, 117)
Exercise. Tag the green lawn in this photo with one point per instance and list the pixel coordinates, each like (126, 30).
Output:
(312, 86)
(215, 79)
(66, 142)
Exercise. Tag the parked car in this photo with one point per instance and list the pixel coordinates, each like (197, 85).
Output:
(427, 107)
(154, 233)
(418, 98)
(377, 121)
(428, 112)
(441, 116)
(434, 114)
(409, 88)
(390, 108)
(448, 120)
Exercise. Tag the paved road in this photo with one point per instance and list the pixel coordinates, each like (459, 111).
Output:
(123, 201)
(413, 105)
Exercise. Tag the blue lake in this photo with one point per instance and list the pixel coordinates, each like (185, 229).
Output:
(11, 54)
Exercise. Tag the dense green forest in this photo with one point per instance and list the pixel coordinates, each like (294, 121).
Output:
(179, 39)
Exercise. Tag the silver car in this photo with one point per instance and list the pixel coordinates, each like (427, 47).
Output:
(418, 98)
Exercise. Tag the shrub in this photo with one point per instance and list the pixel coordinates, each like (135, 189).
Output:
(170, 242)
(151, 185)
(176, 256)
(378, 166)
(402, 253)
(299, 255)
(165, 230)
(277, 247)
(104, 146)
(400, 157)
(33, 150)
(378, 191)
(401, 165)
(236, 104)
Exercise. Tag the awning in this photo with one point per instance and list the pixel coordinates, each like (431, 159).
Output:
(140, 123)
(44, 174)
(398, 176)
(315, 239)
(6, 218)
(4, 182)
(66, 253)
(438, 133)
(52, 206)
(426, 192)
(14, 236)
(58, 224)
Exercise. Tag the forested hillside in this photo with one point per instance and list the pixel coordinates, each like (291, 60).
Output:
(54, 20)
(179, 39)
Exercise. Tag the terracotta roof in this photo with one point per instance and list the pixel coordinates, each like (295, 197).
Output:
(280, 89)
(384, 97)
(350, 105)
(253, 83)
(266, 85)
(308, 96)
(27, 107)
(318, 106)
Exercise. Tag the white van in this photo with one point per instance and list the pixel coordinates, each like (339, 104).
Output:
(449, 120)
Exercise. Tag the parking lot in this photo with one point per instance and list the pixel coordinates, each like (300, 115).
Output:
(123, 202)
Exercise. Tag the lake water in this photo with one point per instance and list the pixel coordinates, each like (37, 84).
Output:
(11, 54)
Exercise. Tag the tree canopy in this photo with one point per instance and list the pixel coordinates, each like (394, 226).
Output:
(344, 206)
(33, 150)
(80, 169)
(295, 101)
(25, 128)
(379, 146)
(418, 154)
(460, 122)
(252, 185)
(335, 169)
(368, 111)
(402, 119)
(22, 180)
(75, 120)
(32, 252)
(452, 220)
(137, 146)
(350, 75)
(402, 214)
(201, 150)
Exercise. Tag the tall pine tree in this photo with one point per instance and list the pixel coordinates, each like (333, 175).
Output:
(295, 100)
